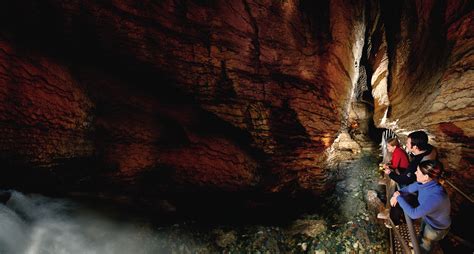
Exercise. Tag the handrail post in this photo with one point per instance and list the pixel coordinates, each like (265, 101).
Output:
(411, 230)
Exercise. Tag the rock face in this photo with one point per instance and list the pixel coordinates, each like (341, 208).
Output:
(227, 95)
(44, 112)
(421, 57)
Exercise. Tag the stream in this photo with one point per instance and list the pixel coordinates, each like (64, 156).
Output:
(36, 224)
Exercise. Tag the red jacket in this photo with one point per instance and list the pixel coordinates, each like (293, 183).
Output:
(399, 159)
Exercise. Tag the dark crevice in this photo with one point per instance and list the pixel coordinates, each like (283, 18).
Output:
(363, 87)
(317, 15)
(287, 129)
(225, 88)
(390, 17)
(255, 36)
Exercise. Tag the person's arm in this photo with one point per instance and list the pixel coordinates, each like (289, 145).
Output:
(403, 192)
(417, 212)
(405, 178)
(412, 188)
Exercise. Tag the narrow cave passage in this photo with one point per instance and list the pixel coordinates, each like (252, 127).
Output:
(191, 126)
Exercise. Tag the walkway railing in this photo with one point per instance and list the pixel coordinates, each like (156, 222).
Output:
(458, 190)
(390, 189)
(411, 231)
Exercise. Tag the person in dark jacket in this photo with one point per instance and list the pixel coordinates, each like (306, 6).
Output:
(417, 145)
(434, 206)
(420, 150)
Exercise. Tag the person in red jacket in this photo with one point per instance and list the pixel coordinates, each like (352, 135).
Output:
(398, 165)
(399, 160)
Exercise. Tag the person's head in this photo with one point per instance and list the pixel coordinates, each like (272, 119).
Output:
(428, 170)
(417, 142)
(392, 144)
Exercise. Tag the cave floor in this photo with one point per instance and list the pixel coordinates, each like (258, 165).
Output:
(341, 223)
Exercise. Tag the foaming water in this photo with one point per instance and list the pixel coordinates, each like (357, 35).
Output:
(34, 224)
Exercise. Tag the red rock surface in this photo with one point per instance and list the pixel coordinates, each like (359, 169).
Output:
(228, 94)
(44, 113)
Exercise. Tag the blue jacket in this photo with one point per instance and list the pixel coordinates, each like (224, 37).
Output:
(434, 207)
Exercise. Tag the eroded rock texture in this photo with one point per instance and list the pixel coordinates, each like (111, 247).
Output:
(228, 95)
(423, 76)
(45, 113)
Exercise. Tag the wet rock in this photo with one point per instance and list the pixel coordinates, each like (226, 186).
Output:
(344, 142)
(310, 228)
(373, 202)
(355, 245)
(224, 239)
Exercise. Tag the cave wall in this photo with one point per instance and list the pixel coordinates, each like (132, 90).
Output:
(50, 118)
(44, 112)
(278, 72)
(421, 57)
(227, 94)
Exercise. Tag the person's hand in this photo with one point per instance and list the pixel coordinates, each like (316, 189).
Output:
(393, 201)
(386, 166)
(396, 194)
(387, 171)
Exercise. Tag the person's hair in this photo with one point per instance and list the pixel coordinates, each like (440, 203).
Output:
(419, 139)
(434, 169)
(393, 142)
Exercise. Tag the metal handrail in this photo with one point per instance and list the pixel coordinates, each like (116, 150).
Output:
(461, 240)
(458, 190)
(390, 134)
(385, 136)
(411, 231)
(405, 247)
(389, 191)
(409, 221)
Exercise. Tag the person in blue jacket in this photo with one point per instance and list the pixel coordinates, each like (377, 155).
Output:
(420, 150)
(434, 205)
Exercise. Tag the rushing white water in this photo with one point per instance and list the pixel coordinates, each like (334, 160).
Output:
(36, 224)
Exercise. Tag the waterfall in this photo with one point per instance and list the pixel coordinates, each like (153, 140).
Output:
(34, 224)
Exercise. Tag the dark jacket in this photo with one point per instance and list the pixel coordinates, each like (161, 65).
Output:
(408, 176)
